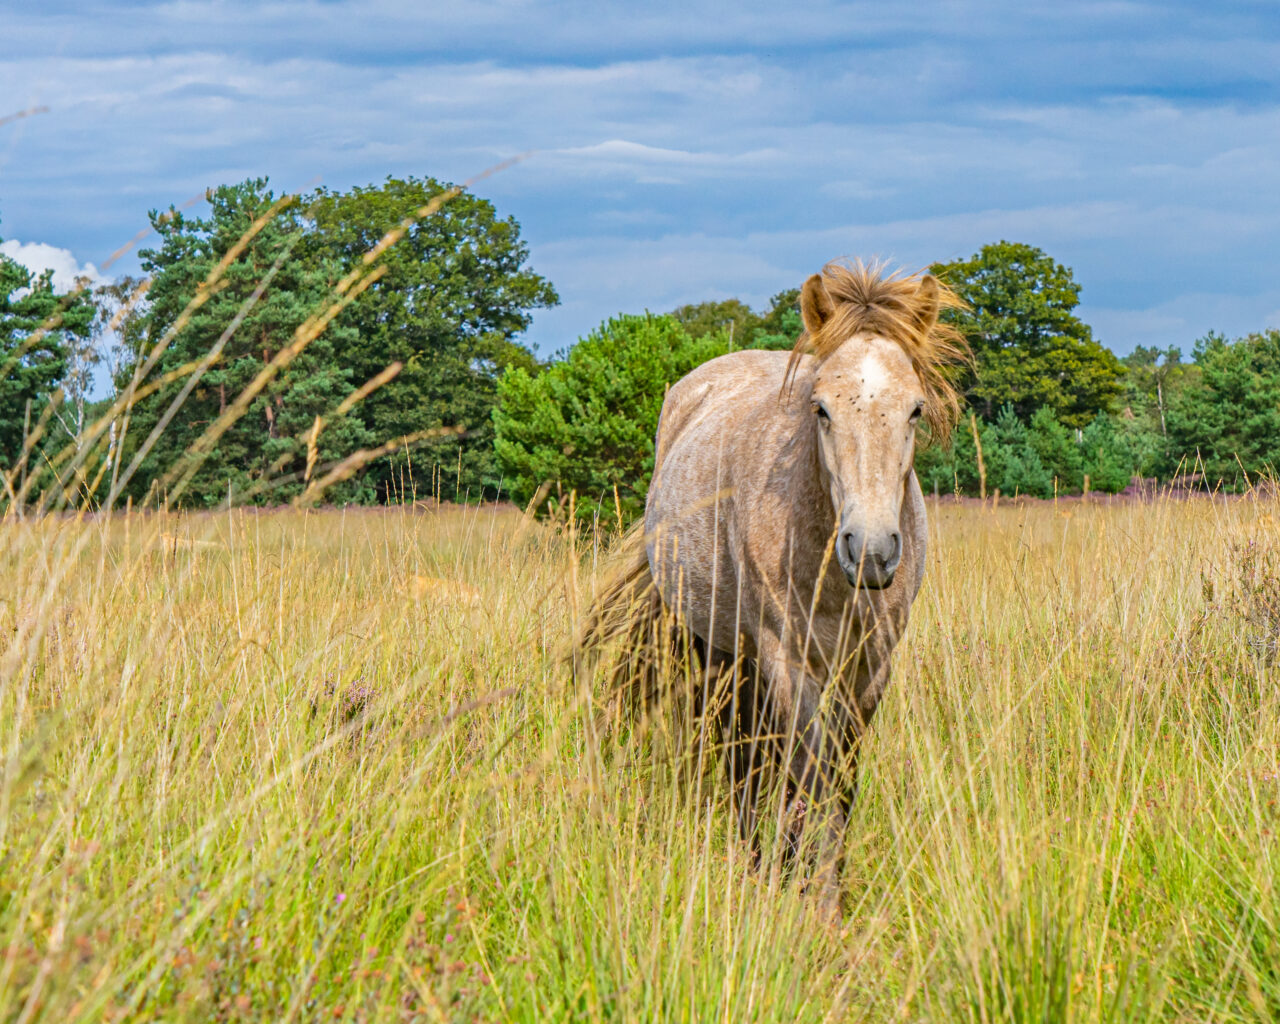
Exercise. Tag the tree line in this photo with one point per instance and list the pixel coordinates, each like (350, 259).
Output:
(1050, 410)
(274, 343)
(364, 346)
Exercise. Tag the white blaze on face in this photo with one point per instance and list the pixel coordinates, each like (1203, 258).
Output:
(873, 374)
(868, 391)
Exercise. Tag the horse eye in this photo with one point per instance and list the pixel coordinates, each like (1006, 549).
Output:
(823, 416)
(915, 413)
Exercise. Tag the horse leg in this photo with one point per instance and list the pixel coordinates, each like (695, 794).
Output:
(823, 769)
(820, 733)
(742, 733)
(734, 698)
(844, 715)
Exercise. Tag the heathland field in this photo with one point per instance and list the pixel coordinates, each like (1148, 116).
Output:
(326, 765)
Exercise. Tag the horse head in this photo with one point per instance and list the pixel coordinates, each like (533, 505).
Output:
(873, 381)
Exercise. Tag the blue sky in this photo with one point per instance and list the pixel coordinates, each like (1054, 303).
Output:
(689, 151)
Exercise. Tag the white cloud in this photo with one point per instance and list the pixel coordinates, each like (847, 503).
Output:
(38, 257)
(624, 151)
(655, 165)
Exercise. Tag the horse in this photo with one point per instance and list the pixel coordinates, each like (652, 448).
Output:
(784, 542)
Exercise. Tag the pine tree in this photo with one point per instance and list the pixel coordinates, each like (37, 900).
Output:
(263, 455)
(38, 329)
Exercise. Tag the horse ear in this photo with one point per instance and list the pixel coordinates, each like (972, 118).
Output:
(927, 303)
(816, 306)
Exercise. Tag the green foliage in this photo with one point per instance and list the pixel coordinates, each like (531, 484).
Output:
(1107, 458)
(730, 316)
(949, 470)
(1151, 374)
(455, 294)
(1013, 463)
(1229, 419)
(1018, 459)
(1058, 450)
(778, 328)
(1153, 378)
(587, 422)
(262, 456)
(38, 330)
(1146, 445)
(783, 318)
(1052, 405)
(120, 320)
(1031, 349)
(1041, 459)
(452, 295)
(935, 468)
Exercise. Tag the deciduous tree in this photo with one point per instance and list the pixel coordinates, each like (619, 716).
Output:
(1031, 349)
(455, 296)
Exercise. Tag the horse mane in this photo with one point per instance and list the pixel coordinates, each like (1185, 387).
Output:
(902, 308)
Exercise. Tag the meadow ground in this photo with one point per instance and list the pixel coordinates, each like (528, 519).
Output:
(302, 766)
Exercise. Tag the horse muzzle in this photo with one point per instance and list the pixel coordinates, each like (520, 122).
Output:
(869, 560)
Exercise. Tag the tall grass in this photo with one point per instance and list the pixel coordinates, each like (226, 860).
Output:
(325, 765)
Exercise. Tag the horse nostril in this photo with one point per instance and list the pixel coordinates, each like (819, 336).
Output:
(852, 548)
(895, 550)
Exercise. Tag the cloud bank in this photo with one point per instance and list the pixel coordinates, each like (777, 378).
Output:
(688, 151)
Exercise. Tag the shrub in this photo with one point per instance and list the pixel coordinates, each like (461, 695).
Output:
(1013, 464)
(1229, 414)
(1057, 448)
(1107, 458)
(586, 423)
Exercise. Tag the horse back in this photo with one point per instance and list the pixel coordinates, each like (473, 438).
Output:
(728, 384)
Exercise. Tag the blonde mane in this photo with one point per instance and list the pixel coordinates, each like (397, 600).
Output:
(902, 308)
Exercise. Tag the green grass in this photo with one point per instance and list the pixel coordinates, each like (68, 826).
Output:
(265, 767)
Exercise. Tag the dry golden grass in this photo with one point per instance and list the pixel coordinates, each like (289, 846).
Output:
(326, 765)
